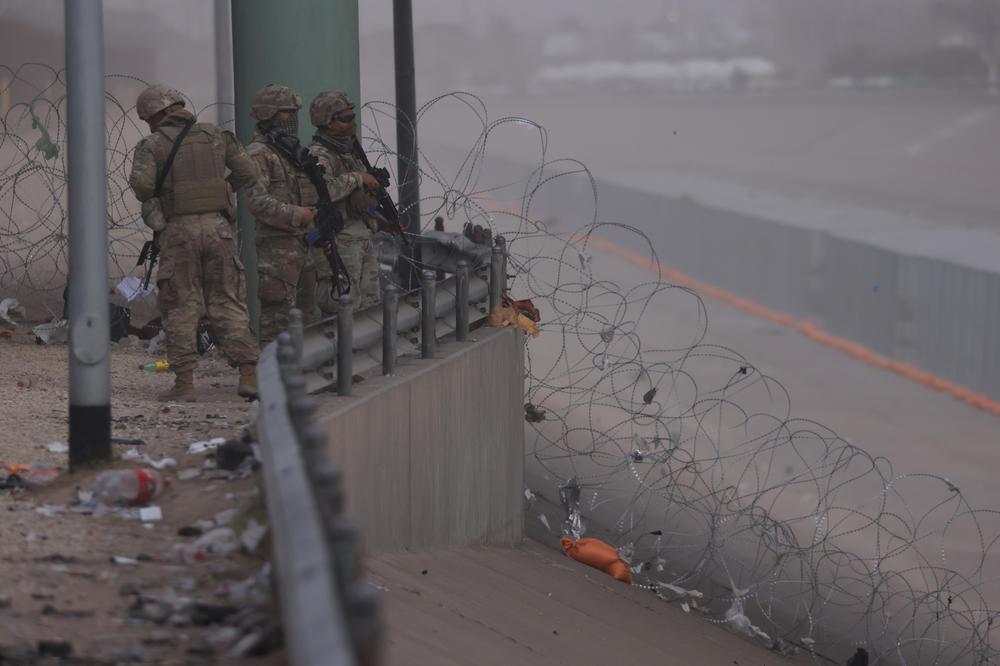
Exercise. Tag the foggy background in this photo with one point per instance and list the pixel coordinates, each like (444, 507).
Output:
(835, 160)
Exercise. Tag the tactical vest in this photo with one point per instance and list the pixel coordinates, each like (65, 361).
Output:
(295, 188)
(196, 182)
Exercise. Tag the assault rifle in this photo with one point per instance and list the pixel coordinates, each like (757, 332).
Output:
(386, 206)
(151, 251)
(328, 220)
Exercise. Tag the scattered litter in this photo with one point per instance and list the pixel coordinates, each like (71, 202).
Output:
(252, 535)
(210, 445)
(57, 447)
(25, 382)
(132, 287)
(40, 474)
(11, 306)
(89, 507)
(127, 485)
(533, 414)
(132, 454)
(148, 513)
(740, 623)
(225, 517)
(117, 559)
(220, 541)
(189, 530)
(232, 453)
(204, 525)
(156, 340)
(189, 473)
(51, 332)
(545, 521)
(380, 588)
(528, 495)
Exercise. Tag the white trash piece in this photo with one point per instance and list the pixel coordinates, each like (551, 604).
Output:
(54, 331)
(210, 445)
(131, 288)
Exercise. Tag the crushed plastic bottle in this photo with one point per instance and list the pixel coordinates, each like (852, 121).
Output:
(41, 474)
(127, 485)
(155, 366)
(220, 541)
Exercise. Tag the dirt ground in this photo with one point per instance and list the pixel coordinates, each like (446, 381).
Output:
(62, 590)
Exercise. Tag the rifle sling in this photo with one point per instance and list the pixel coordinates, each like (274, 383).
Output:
(170, 158)
(315, 176)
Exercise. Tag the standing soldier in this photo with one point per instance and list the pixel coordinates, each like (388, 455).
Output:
(287, 278)
(351, 187)
(179, 173)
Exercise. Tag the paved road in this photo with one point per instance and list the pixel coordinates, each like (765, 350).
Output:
(533, 606)
(933, 158)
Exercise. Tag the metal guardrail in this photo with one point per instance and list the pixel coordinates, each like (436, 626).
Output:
(330, 615)
(380, 333)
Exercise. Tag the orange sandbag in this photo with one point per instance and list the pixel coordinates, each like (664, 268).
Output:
(619, 570)
(599, 555)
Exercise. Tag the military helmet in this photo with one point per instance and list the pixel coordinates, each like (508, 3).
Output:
(154, 99)
(328, 104)
(273, 98)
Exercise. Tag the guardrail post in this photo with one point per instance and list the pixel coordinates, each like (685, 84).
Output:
(345, 344)
(390, 314)
(427, 297)
(501, 243)
(462, 300)
(439, 226)
(498, 278)
(286, 356)
(295, 331)
(362, 616)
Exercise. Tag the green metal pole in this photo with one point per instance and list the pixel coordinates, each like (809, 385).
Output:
(308, 45)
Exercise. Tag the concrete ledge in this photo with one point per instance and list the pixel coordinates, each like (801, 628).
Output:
(434, 455)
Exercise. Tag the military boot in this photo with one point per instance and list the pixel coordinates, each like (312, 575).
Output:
(248, 381)
(183, 388)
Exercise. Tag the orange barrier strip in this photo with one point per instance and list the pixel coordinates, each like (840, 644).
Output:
(806, 328)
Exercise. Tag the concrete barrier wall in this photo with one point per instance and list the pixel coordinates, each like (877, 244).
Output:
(434, 455)
(931, 309)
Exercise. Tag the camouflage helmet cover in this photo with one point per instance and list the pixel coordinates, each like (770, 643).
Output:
(154, 99)
(273, 98)
(328, 104)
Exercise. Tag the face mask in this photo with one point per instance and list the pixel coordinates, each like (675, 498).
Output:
(289, 126)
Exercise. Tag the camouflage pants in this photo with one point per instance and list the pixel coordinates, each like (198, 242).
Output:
(200, 270)
(287, 280)
(358, 254)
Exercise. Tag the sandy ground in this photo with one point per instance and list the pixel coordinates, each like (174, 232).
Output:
(61, 584)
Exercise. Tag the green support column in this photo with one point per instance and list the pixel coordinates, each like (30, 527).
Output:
(308, 45)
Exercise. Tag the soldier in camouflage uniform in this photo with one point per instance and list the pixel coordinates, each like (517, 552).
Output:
(287, 277)
(351, 187)
(199, 266)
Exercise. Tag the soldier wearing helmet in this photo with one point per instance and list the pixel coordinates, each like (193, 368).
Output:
(350, 187)
(287, 279)
(199, 267)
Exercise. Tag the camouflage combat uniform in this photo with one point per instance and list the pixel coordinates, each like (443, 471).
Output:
(287, 277)
(199, 265)
(343, 176)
